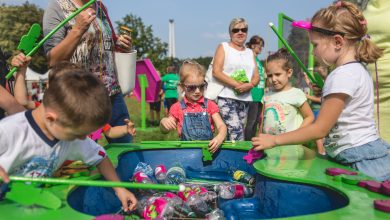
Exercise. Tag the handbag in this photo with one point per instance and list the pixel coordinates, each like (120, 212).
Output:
(214, 86)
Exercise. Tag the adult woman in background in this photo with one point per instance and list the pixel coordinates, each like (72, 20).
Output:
(88, 40)
(256, 44)
(235, 67)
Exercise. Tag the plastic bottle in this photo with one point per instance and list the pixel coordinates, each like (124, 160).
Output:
(145, 168)
(159, 208)
(243, 177)
(193, 200)
(181, 208)
(141, 177)
(209, 197)
(233, 191)
(160, 173)
(125, 31)
(175, 175)
(216, 214)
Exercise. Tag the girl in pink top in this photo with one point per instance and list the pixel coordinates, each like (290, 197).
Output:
(193, 117)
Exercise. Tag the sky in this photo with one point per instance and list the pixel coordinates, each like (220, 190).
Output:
(200, 25)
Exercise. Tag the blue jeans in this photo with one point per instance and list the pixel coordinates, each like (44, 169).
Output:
(196, 125)
(119, 114)
(372, 159)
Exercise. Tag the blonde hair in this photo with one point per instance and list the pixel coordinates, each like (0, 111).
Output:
(191, 67)
(346, 18)
(236, 21)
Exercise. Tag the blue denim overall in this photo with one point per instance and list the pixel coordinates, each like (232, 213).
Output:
(196, 125)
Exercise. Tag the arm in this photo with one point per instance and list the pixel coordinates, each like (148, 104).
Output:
(312, 98)
(168, 124)
(65, 49)
(21, 62)
(307, 114)
(129, 202)
(9, 103)
(330, 110)
(222, 132)
(218, 69)
(122, 130)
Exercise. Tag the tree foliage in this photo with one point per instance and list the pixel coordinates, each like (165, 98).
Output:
(146, 44)
(15, 21)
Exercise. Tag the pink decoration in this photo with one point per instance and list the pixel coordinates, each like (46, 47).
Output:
(338, 171)
(96, 135)
(302, 24)
(386, 188)
(383, 205)
(373, 186)
(253, 155)
(154, 81)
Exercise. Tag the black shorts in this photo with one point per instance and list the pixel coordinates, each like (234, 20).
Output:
(170, 102)
(155, 106)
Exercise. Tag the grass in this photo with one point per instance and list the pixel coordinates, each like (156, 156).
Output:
(150, 133)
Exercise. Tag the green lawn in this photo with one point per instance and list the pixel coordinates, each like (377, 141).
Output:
(150, 133)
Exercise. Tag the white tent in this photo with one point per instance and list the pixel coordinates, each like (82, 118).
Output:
(31, 75)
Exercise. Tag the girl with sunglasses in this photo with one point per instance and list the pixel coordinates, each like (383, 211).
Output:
(234, 59)
(346, 115)
(194, 116)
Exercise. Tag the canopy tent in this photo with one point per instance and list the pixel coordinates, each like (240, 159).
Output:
(31, 75)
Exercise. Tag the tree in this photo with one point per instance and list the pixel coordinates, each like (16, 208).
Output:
(144, 42)
(15, 21)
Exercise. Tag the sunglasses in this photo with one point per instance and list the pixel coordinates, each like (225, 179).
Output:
(236, 30)
(192, 88)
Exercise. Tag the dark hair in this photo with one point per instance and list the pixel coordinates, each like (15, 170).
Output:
(281, 54)
(79, 97)
(256, 39)
(347, 18)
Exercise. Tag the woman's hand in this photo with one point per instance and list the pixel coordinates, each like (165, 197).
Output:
(125, 43)
(84, 20)
(244, 87)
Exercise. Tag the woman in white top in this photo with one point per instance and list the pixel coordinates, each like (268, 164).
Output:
(235, 67)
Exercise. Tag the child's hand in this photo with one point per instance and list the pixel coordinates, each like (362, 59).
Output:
(130, 127)
(263, 141)
(4, 175)
(214, 144)
(168, 123)
(20, 61)
(128, 200)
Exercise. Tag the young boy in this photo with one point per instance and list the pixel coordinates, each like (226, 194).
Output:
(21, 95)
(35, 143)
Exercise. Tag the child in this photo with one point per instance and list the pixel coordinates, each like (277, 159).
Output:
(194, 115)
(286, 107)
(315, 100)
(35, 143)
(346, 116)
(21, 62)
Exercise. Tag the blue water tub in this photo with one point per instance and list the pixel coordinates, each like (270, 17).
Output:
(272, 198)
